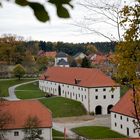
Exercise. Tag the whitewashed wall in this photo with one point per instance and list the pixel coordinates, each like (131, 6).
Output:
(85, 95)
(104, 98)
(59, 58)
(46, 134)
(120, 123)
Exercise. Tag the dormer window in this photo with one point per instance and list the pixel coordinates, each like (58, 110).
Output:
(77, 81)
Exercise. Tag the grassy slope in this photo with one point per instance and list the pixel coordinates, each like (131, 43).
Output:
(97, 132)
(29, 91)
(5, 84)
(62, 107)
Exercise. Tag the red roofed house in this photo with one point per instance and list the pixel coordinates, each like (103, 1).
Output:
(89, 86)
(123, 116)
(20, 111)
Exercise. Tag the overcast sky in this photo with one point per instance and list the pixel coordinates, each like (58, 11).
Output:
(21, 21)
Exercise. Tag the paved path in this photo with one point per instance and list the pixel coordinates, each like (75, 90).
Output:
(11, 91)
(99, 120)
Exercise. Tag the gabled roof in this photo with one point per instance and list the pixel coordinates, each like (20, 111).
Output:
(21, 110)
(88, 77)
(78, 54)
(50, 54)
(61, 54)
(99, 59)
(125, 105)
(62, 62)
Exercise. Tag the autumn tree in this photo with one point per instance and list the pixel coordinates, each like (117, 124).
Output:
(19, 71)
(31, 130)
(128, 55)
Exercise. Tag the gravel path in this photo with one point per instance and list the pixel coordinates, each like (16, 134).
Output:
(70, 122)
(11, 91)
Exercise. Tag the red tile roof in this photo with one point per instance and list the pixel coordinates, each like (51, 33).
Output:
(21, 110)
(99, 59)
(50, 54)
(88, 77)
(125, 105)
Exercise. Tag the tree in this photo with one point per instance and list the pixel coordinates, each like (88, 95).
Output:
(19, 71)
(91, 49)
(31, 129)
(85, 63)
(39, 9)
(128, 55)
(101, 14)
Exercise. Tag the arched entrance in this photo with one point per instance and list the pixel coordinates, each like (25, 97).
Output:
(98, 110)
(59, 90)
(108, 109)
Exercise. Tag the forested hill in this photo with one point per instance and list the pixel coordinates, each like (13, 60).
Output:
(14, 50)
(72, 49)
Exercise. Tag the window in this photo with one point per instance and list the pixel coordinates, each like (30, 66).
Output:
(39, 132)
(16, 133)
(79, 95)
(112, 96)
(96, 90)
(115, 124)
(73, 93)
(68, 86)
(85, 96)
(85, 89)
(96, 97)
(104, 96)
(134, 131)
(104, 89)
(121, 126)
(82, 89)
(127, 119)
(114, 115)
(121, 117)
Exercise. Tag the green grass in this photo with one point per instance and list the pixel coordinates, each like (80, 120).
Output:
(5, 84)
(30, 86)
(123, 90)
(58, 135)
(62, 107)
(29, 91)
(97, 132)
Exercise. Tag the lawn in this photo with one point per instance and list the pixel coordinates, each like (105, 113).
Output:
(57, 135)
(29, 91)
(5, 84)
(96, 132)
(63, 107)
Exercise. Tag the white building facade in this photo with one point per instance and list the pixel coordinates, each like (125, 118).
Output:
(123, 124)
(61, 60)
(20, 112)
(98, 100)
(123, 116)
(18, 134)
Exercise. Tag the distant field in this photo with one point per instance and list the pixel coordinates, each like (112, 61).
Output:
(5, 84)
(96, 132)
(29, 91)
(62, 107)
